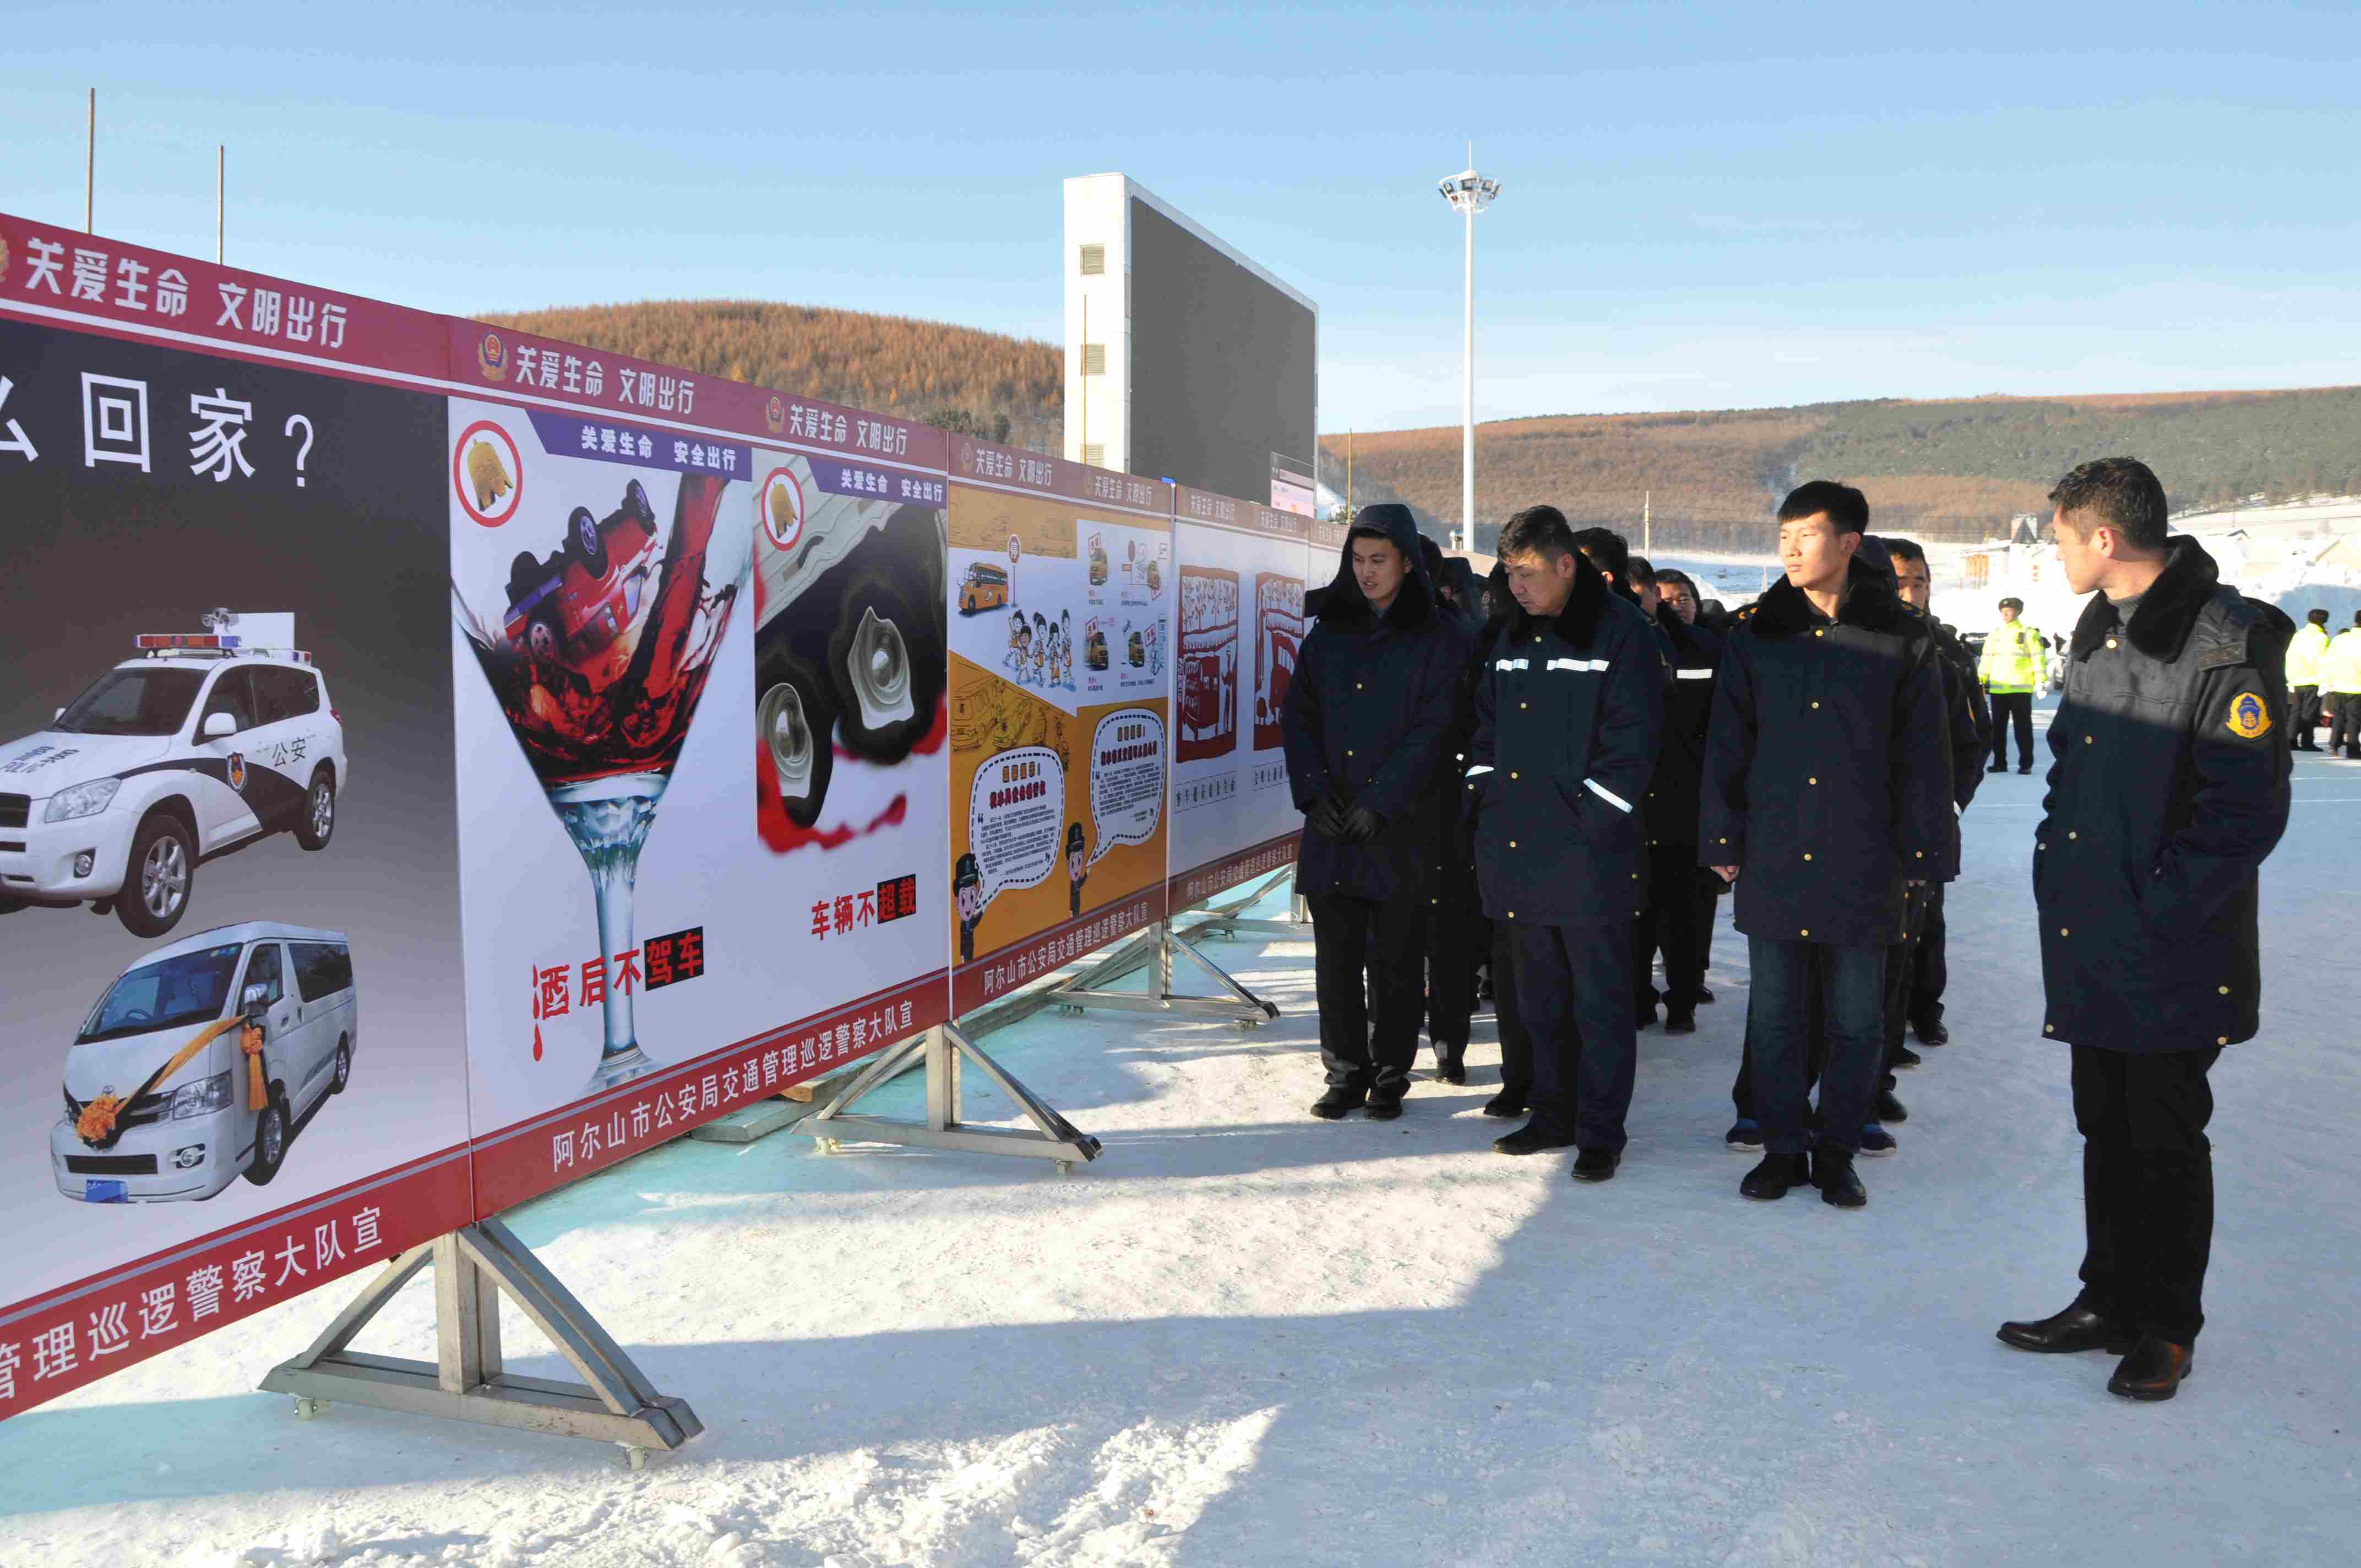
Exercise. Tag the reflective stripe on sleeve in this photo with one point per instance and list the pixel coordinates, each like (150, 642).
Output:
(1479, 768)
(1512, 664)
(1693, 674)
(1577, 665)
(1609, 796)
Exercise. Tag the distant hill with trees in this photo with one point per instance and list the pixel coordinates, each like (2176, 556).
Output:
(973, 382)
(1937, 470)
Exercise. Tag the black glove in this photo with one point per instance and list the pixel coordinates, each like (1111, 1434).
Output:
(1326, 817)
(1361, 825)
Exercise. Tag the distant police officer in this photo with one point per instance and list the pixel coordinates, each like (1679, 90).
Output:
(2168, 788)
(2306, 656)
(2339, 678)
(1367, 722)
(1568, 719)
(2015, 660)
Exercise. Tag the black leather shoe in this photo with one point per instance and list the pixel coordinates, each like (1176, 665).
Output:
(2153, 1370)
(1906, 1059)
(1451, 1063)
(2026, 769)
(1775, 1177)
(1508, 1102)
(1680, 1021)
(1704, 995)
(1340, 1099)
(1833, 1174)
(2000, 767)
(1534, 1138)
(1597, 1164)
(2070, 1333)
(1889, 1108)
(1386, 1100)
(1932, 1034)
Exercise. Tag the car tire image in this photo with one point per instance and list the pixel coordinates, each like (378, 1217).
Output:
(158, 877)
(343, 1064)
(317, 823)
(270, 1140)
(795, 717)
(543, 639)
(900, 664)
(586, 542)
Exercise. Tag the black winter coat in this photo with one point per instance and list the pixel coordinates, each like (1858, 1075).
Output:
(1694, 654)
(1970, 710)
(1569, 716)
(2167, 788)
(1453, 884)
(1368, 716)
(1827, 775)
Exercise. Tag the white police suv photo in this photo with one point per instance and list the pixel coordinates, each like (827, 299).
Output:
(203, 743)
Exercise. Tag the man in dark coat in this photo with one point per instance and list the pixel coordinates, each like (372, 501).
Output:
(1680, 892)
(1515, 1097)
(2169, 787)
(1569, 716)
(1825, 789)
(1366, 724)
(1452, 937)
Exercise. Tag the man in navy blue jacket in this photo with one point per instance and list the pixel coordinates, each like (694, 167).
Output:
(1569, 715)
(1829, 716)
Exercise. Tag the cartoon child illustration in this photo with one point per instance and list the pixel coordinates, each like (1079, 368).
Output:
(967, 891)
(1040, 644)
(1017, 635)
(1066, 637)
(1074, 873)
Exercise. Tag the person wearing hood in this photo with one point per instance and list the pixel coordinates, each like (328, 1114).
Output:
(1367, 725)
(1826, 790)
(1569, 718)
(2307, 654)
(1680, 892)
(2167, 789)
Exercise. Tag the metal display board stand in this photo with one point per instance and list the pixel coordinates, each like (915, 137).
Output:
(946, 1052)
(1225, 921)
(474, 1266)
(1156, 947)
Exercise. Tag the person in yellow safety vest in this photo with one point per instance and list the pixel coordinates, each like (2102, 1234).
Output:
(2307, 653)
(2340, 677)
(2015, 660)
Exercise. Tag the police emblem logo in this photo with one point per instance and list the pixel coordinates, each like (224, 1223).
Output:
(237, 771)
(2248, 718)
(492, 357)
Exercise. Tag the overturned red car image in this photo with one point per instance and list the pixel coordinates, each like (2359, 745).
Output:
(572, 605)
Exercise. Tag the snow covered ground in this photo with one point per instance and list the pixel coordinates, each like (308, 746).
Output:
(1242, 1337)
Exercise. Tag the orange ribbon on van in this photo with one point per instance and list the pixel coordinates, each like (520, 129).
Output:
(95, 1125)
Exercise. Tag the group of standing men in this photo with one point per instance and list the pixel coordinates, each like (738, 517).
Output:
(1580, 760)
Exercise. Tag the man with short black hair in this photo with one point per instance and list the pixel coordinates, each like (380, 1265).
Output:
(1680, 892)
(1826, 790)
(2168, 788)
(1367, 723)
(1568, 717)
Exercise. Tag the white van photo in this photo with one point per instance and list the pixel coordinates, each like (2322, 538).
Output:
(160, 1090)
(201, 744)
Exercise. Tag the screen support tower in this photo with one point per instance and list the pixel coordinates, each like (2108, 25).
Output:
(474, 1266)
(1469, 193)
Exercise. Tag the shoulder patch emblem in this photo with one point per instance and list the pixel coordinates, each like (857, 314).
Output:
(2248, 718)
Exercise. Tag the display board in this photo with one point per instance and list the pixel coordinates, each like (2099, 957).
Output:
(1239, 620)
(655, 621)
(225, 732)
(1060, 587)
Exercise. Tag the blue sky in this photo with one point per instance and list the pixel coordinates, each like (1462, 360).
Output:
(1705, 206)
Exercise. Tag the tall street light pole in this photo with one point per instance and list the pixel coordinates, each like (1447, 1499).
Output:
(1469, 193)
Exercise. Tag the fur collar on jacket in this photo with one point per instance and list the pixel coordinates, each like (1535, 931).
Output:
(1870, 603)
(2165, 614)
(1578, 621)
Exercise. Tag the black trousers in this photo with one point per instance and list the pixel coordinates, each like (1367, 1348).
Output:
(2017, 706)
(1452, 950)
(1516, 1042)
(2147, 1185)
(1574, 991)
(2344, 729)
(1673, 924)
(2303, 711)
(1929, 969)
(1816, 1035)
(1900, 960)
(1357, 943)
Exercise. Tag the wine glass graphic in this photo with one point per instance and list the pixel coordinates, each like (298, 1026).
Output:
(597, 662)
